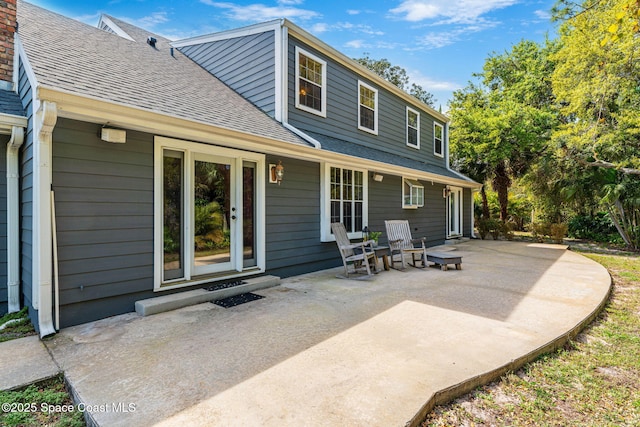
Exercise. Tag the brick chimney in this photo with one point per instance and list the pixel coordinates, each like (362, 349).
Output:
(8, 24)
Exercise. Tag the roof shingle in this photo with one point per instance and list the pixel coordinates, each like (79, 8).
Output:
(71, 56)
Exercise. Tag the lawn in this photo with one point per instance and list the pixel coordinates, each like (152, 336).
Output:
(593, 381)
(42, 404)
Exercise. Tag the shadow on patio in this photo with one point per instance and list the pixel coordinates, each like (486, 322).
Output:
(319, 350)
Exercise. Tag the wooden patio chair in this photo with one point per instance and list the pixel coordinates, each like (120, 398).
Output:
(401, 242)
(362, 260)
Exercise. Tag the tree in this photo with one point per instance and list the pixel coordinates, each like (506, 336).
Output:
(506, 121)
(597, 80)
(397, 76)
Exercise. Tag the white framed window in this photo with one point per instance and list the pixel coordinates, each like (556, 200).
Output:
(344, 199)
(367, 108)
(311, 83)
(412, 194)
(413, 128)
(438, 139)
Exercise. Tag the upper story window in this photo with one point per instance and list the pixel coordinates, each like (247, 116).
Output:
(413, 128)
(311, 83)
(438, 141)
(412, 194)
(368, 108)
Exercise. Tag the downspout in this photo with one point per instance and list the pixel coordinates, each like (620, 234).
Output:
(45, 121)
(13, 218)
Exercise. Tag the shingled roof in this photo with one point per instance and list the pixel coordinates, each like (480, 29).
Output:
(70, 56)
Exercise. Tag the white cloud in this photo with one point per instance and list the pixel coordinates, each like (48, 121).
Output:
(356, 44)
(353, 12)
(453, 11)
(260, 12)
(91, 19)
(319, 28)
(152, 20)
(430, 84)
(542, 14)
(346, 26)
(436, 40)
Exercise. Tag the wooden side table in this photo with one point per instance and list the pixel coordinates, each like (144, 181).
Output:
(383, 251)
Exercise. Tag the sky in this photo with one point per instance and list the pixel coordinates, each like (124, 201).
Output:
(440, 43)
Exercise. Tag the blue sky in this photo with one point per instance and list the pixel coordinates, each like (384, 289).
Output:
(440, 43)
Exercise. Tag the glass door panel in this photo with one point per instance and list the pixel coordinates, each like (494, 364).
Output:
(214, 214)
(173, 213)
(249, 258)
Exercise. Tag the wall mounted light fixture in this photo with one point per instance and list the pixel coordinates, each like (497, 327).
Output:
(445, 192)
(116, 136)
(377, 177)
(276, 173)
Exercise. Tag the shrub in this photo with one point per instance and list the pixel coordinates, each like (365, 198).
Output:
(558, 231)
(507, 230)
(598, 227)
(539, 230)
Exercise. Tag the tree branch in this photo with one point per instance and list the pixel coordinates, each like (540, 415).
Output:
(609, 165)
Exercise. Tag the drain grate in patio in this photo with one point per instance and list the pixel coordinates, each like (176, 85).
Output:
(237, 300)
(225, 285)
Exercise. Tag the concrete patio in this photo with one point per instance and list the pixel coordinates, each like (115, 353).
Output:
(324, 351)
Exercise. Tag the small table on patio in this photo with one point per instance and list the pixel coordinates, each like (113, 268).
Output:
(383, 251)
(442, 259)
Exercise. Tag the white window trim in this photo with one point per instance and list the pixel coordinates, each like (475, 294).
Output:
(299, 106)
(375, 112)
(325, 203)
(412, 183)
(441, 139)
(190, 149)
(417, 145)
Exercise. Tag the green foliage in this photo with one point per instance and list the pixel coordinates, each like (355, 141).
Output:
(597, 84)
(210, 232)
(598, 227)
(558, 232)
(489, 226)
(503, 123)
(20, 326)
(49, 392)
(397, 76)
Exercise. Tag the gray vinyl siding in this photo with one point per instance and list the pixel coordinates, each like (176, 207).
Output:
(342, 113)
(293, 222)
(246, 64)
(3, 226)
(104, 219)
(26, 194)
(385, 203)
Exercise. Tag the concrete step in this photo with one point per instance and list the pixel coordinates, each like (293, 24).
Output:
(149, 306)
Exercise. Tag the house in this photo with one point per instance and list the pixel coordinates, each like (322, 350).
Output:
(145, 167)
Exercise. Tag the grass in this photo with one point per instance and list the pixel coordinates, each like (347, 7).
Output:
(21, 328)
(593, 381)
(25, 407)
(29, 406)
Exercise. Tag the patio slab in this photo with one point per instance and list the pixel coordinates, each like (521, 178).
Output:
(319, 350)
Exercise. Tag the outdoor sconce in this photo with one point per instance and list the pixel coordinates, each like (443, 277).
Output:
(276, 173)
(115, 136)
(445, 192)
(377, 177)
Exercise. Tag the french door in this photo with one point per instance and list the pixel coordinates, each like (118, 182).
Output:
(454, 212)
(208, 203)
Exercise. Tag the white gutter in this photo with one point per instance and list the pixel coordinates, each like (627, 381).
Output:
(13, 217)
(45, 120)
